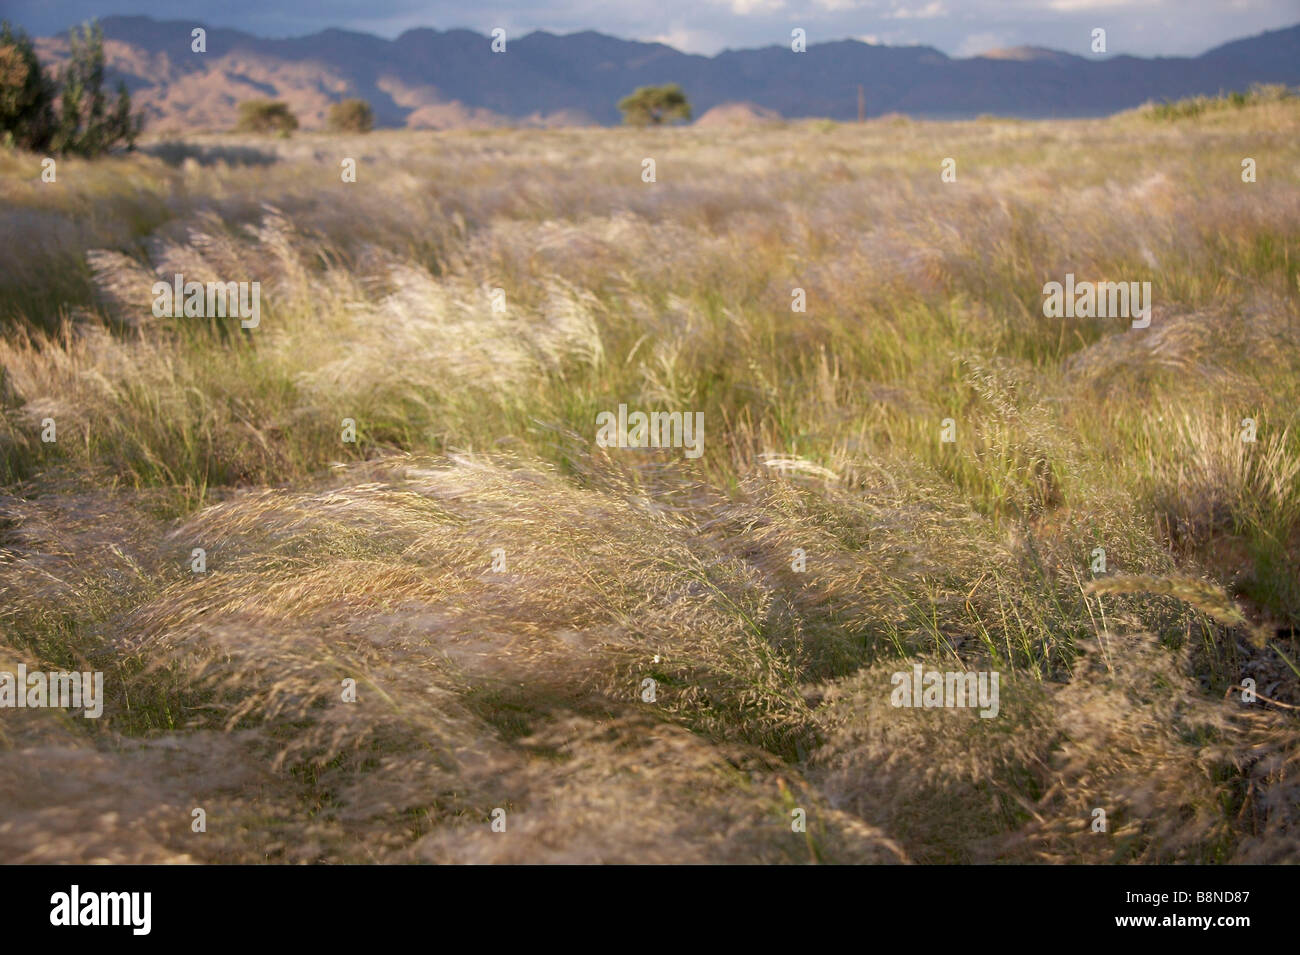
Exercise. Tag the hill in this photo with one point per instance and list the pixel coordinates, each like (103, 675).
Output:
(436, 78)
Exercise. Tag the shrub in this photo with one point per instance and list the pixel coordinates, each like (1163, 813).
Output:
(26, 94)
(351, 116)
(265, 116)
(1196, 105)
(85, 124)
(655, 105)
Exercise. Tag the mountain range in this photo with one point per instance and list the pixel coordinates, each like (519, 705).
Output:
(429, 78)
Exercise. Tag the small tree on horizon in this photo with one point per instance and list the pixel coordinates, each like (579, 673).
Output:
(655, 105)
(265, 116)
(351, 116)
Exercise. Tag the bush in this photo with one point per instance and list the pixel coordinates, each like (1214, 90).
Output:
(85, 125)
(1194, 106)
(26, 94)
(265, 116)
(655, 105)
(351, 116)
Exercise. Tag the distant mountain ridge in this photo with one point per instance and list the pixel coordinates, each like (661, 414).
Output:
(431, 78)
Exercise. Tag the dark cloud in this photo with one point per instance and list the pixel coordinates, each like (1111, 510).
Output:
(958, 27)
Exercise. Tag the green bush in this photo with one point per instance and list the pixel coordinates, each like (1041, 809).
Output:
(26, 94)
(655, 105)
(265, 116)
(351, 116)
(85, 124)
(1196, 105)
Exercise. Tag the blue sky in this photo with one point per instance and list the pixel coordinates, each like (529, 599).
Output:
(958, 27)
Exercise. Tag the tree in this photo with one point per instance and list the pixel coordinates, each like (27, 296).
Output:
(351, 116)
(26, 93)
(86, 125)
(655, 105)
(265, 116)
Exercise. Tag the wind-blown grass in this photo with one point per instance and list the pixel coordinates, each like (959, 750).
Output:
(500, 588)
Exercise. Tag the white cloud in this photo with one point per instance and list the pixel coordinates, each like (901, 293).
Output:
(928, 12)
(688, 41)
(978, 43)
(743, 8)
(1082, 6)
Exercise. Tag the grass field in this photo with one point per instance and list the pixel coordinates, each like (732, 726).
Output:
(500, 587)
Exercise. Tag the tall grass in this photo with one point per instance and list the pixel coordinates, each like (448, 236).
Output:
(500, 588)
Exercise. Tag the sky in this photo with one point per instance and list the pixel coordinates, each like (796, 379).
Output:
(957, 27)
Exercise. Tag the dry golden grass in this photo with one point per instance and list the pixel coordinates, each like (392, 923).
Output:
(520, 687)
